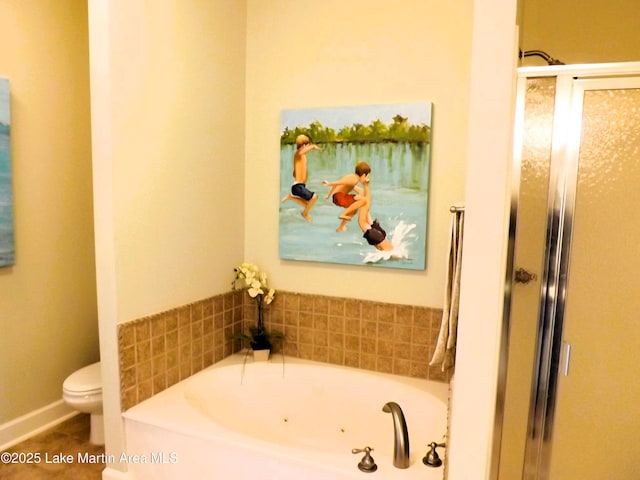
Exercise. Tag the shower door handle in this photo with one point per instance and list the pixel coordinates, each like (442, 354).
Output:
(524, 276)
(566, 354)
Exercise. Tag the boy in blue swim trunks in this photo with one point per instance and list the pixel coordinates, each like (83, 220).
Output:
(299, 191)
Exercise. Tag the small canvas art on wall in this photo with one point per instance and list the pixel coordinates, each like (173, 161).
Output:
(7, 248)
(354, 184)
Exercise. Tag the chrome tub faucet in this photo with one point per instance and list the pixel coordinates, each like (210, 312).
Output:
(400, 435)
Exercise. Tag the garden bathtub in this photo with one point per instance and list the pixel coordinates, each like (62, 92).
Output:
(286, 419)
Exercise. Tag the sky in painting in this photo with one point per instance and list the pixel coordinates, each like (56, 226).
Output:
(338, 117)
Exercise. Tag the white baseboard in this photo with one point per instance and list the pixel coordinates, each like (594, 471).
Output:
(32, 423)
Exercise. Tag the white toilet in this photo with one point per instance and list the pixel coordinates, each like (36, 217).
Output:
(82, 390)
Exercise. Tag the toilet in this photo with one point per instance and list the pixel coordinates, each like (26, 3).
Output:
(82, 391)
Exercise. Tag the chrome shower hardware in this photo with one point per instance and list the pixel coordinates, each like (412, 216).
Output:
(539, 53)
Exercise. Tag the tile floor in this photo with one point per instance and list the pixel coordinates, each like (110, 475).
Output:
(68, 438)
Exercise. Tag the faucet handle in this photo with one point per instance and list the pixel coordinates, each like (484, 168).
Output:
(432, 459)
(367, 464)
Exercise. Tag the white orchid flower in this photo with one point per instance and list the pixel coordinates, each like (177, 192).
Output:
(254, 281)
(249, 267)
(249, 278)
(269, 298)
(255, 289)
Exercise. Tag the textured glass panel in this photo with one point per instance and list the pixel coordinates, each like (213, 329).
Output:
(529, 254)
(597, 403)
(610, 147)
(538, 126)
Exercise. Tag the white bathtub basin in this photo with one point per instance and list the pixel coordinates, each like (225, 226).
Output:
(294, 421)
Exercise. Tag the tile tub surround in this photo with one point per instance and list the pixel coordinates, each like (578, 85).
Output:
(158, 351)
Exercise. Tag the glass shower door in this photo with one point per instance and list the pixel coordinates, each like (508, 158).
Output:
(574, 332)
(596, 422)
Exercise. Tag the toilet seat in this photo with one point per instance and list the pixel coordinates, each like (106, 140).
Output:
(84, 382)
(83, 394)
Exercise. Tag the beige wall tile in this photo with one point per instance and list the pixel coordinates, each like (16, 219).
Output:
(160, 350)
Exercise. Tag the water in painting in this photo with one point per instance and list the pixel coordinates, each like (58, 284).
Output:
(395, 141)
(7, 249)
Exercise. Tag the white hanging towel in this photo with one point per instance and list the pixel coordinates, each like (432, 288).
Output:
(445, 351)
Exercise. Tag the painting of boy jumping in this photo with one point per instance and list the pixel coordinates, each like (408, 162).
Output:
(299, 192)
(341, 193)
(382, 222)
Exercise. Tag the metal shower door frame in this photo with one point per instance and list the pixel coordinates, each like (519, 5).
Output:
(572, 81)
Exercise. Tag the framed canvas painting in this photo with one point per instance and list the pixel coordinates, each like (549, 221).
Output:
(354, 184)
(7, 249)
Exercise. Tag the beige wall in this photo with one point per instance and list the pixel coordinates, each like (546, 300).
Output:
(356, 53)
(48, 301)
(168, 115)
(177, 110)
(579, 31)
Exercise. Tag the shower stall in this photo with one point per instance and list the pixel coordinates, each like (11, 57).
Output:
(570, 397)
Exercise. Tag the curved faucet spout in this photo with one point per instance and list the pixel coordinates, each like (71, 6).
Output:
(400, 435)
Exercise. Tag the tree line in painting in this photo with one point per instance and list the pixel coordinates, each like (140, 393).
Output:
(400, 130)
